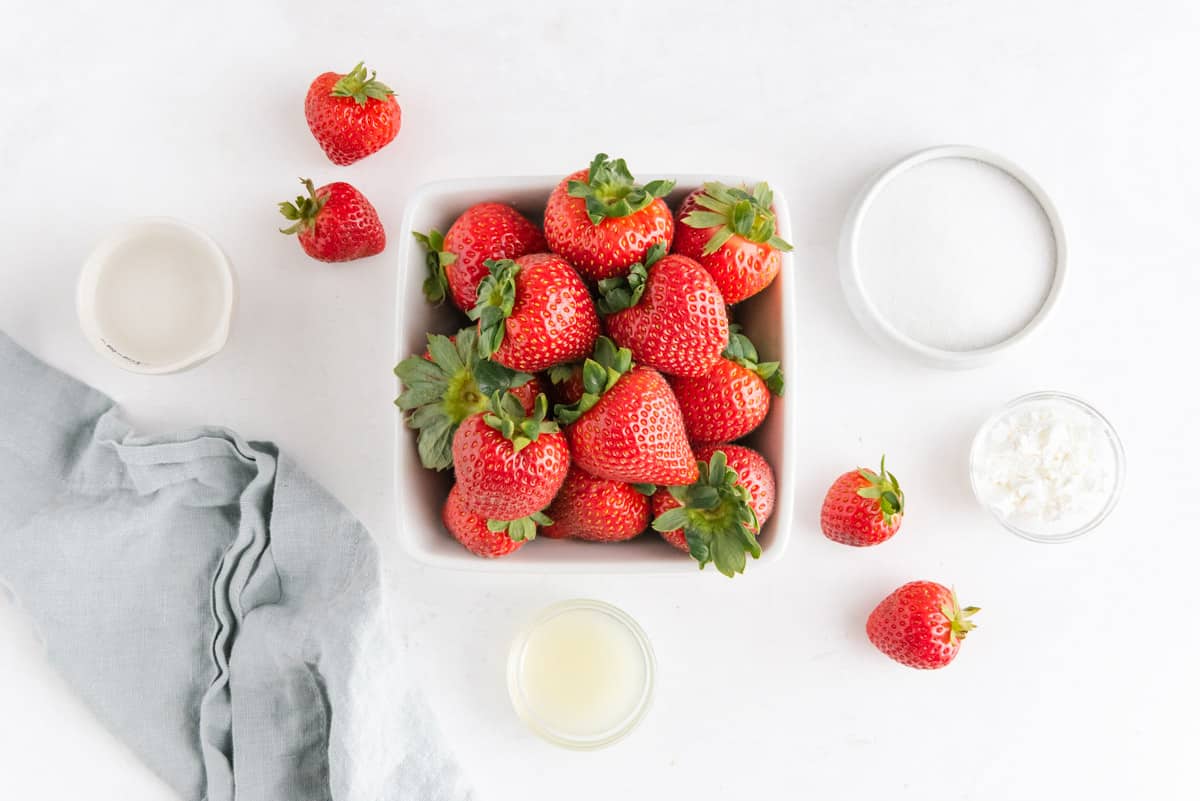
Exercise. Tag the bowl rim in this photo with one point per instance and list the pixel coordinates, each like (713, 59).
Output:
(782, 518)
(1118, 455)
(97, 263)
(878, 326)
(516, 692)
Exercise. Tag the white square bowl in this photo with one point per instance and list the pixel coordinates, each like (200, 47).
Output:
(768, 318)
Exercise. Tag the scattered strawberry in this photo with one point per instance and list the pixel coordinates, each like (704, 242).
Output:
(534, 312)
(457, 261)
(474, 532)
(735, 396)
(733, 234)
(334, 223)
(863, 507)
(509, 465)
(448, 384)
(920, 625)
(351, 115)
(717, 519)
(602, 222)
(597, 509)
(627, 426)
(668, 312)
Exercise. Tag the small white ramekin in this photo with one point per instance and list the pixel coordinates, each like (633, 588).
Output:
(877, 325)
(577, 741)
(100, 261)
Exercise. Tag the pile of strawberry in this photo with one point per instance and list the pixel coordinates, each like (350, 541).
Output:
(602, 385)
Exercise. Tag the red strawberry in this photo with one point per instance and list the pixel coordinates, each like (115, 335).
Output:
(448, 384)
(668, 312)
(627, 426)
(602, 222)
(597, 509)
(732, 233)
(351, 115)
(456, 261)
(473, 531)
(334, 223)
(534, 312)
(863, 507)
(920, 625)
(734, 398)
(717, 519)
(509, 466)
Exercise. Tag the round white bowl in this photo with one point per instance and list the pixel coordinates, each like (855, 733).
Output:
(580, 741)
(1110, 433)
(206, 260)
(877, 325)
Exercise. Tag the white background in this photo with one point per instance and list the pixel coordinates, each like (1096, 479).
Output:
(1081, 679)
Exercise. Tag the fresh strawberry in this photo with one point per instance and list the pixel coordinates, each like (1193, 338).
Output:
(668, 312)
(509, 465)
(334, 223)
(476, 533)
(448, 384)
(717, 519)
(456, 261)
(920, 625)
(534, 312)
(602, 222)
(735, 396)
(733, 234)
(627, 426)
(351, 115)
(597, 509)
(863, 507)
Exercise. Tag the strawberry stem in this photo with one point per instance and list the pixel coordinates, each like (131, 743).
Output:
(610, 190)
(736, 212)
(600, 374)
(742, 351)
(303, 210)
(716, 516)
(625, 291)
(958, 618)
(884, 487)
(357, 85)
(506, 415)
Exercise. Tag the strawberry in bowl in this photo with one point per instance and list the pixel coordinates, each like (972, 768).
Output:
(618, 404)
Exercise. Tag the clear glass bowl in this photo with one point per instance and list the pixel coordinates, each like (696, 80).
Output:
(572, 638)
(1041, 399)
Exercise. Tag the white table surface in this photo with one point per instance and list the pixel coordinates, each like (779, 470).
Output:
(1081, 679)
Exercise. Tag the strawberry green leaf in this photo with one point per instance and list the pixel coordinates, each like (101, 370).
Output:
(496, 296)
(561, 373)
(436, 285)
(735, 211)
(716, 517)
(644, 489)
(357, 85)
(600, 374)
(506, 415)
(742, 351)
(440, 392)
(303, 211)
(623, 292)
(884, 487)
(611, 192)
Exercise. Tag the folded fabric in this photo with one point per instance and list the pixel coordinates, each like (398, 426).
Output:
(217, 609)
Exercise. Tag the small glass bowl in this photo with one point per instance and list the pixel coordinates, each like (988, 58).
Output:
(575, 740)
(1038, 398)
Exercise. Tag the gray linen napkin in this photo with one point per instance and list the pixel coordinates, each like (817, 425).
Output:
(217, 609)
